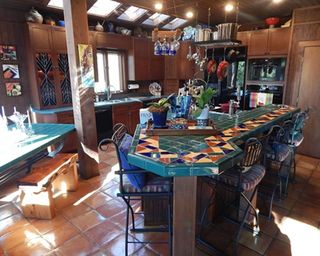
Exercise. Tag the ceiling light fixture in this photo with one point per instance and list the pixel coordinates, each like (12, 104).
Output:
(189, 14)
(277, 1)
(158, 6)
(229, 7)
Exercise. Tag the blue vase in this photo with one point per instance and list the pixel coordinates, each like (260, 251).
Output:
(159, 119)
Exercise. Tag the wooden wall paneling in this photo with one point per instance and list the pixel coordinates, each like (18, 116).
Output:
(307, 15)
(300, 32)
(14, 33)
(308, 96)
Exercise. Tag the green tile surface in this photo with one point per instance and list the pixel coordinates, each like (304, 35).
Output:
(45, 134)
(204, 155)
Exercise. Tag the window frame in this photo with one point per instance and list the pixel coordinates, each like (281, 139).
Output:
(122, 68)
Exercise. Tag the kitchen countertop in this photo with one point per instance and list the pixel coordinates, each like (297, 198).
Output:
(198, 155)
(101, 105)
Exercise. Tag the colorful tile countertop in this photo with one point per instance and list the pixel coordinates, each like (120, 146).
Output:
(44, 136)
(201, 155)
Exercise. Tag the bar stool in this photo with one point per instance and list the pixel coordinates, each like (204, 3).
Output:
(242, 179)
(294, 136)
(136, 184)
(275, 154)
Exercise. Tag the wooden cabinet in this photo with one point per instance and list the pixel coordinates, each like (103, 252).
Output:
(258, 42)
(143, 64)
(243, 37)
(48, 67)
(112, 41)
(128, 114)
(268, 41)
(279, 40)
(178, 66)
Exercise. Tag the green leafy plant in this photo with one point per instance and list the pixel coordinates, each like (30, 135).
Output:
(205, 97)
(161, 106)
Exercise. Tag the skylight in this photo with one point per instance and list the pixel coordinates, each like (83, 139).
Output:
(177, 22)
(132, 14)
(155, 19)
(56, 4)
(103, 7)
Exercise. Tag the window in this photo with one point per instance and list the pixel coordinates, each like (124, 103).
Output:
(110, 71)
(103, 7)
(155, 19)
(177, 22)
(132, 14)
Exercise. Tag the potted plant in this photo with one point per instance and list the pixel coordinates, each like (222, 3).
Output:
(159, 112)
(201, 108)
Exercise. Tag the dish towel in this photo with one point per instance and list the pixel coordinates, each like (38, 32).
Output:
(253, 100)
(264, 99)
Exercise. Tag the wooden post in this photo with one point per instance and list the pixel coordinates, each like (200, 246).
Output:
(184, 215)
(76, 20)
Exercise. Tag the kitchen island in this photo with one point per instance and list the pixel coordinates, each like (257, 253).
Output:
(186, 158)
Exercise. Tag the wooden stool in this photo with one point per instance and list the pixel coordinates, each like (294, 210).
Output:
(47, 175)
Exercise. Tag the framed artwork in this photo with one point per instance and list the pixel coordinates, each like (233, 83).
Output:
(86, 63)
(8, 52)
(13, 89)
(10, 71)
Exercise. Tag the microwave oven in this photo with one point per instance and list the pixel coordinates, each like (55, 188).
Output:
(266, 69)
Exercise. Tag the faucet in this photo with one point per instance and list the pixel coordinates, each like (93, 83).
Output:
(232, 105)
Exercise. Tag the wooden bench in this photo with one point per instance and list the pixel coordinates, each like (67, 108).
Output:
(47, 175)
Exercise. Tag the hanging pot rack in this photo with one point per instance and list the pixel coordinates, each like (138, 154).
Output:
(164, 34)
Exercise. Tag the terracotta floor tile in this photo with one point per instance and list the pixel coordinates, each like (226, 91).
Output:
(44, 226)
(116, 247)
(97, 199)
(111, 208)
(103, 232)
(99, 181)
(241, 251)
(258, 243)
(61, 234)
(12, 239)
(316, 173)
(73, 211)
(77, 246)
(308, 210)
(145, 251)
(303, 173)
(120, 219)
(278, 247)
(8, 210)
(87, 220)
(308, 162)
(84, 188)
(286, 203)
(36, 246)
(12, 223)
(112, 191)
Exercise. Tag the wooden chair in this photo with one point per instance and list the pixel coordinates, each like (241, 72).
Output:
(47, 175)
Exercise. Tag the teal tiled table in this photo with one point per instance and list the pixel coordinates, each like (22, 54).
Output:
(44, 136)
(186, 157)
